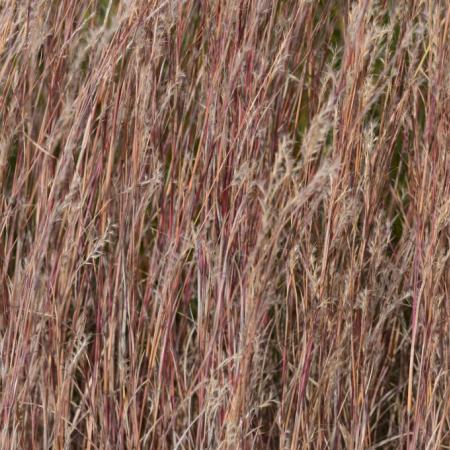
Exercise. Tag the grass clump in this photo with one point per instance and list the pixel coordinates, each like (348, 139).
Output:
(224, 224)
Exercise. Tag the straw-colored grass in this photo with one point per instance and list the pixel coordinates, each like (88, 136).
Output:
(224, 224)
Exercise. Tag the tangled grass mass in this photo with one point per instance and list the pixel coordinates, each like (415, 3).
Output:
(224, 224)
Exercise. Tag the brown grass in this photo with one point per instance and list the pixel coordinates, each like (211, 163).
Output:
(224, 224)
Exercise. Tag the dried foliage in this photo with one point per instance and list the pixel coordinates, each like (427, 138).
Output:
(224, 224)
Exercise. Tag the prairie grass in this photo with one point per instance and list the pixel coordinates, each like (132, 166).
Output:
(224, 224)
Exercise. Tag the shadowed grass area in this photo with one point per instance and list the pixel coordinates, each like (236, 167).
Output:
(224, 224)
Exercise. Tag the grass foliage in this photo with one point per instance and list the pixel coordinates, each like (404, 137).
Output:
(224, 224)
